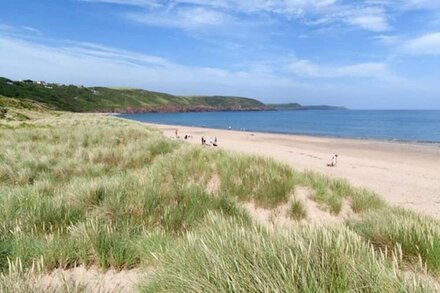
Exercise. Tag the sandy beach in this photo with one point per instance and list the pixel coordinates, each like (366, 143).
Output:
(404, 174)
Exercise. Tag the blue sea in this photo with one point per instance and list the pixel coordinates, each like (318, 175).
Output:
(397, 125)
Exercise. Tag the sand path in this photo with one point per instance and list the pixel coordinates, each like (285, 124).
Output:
(404, 174)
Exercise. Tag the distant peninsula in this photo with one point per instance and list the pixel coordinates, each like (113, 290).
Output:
(296, 106)
(76, 98)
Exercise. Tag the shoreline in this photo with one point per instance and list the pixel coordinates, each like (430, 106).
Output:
(391, 140)
(384, 140)
(404, 174)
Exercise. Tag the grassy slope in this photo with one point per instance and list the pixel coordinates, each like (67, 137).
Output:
(21, 110)
(92, 190)
(100, 99)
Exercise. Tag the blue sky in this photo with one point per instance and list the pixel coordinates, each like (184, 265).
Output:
(364, 54)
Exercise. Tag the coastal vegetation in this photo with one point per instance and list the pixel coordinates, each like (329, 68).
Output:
(128, 100)
(123, 100)
(101, 192)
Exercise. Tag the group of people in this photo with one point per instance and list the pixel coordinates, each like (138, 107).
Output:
(210, 141)
(186, 136)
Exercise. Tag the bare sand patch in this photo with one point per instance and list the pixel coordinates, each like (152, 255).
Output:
(278, 218)
(88, 280)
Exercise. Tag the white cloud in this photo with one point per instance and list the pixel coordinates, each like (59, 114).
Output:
(196, 13)
(32, 30)
(375, 23)
(386, 39)
(245, 6)
(371, 15)
(91, 64)
(419, 4)
(116, 55)
(428, 44)
(147, 3)
(306, 68)
(185, 18)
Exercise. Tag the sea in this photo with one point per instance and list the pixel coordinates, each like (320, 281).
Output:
(421, 126)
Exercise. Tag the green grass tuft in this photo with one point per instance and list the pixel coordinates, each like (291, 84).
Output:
(297, 210)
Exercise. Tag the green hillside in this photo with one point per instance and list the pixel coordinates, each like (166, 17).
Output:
(101, 99)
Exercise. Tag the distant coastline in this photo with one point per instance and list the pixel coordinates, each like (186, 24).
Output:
(299, 107)
(78, 98)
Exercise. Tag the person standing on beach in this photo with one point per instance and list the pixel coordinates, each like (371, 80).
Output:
(177, 133)
(334, 161)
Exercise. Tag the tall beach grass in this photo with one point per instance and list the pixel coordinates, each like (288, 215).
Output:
(96, 191)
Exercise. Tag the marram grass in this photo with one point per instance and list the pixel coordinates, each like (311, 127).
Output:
(229, 256)
(297, 210)
(418, 237)
(99, 191)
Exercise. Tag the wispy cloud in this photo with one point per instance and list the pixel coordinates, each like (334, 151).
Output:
(428, 44)
(145, 3)
(274, 80)
(32, 30)
(386, 39)
(115, 55)
(371, 15)
(306, 68)
(418, 4)
(19, 30)
(187, 18)
(91, 64)
(372, 20)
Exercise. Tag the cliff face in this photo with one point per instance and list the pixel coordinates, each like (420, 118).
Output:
(101, 99)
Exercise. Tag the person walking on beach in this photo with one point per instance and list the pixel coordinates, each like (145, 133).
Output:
(176, 132)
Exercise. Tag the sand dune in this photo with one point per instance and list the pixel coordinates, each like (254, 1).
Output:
(404, 174)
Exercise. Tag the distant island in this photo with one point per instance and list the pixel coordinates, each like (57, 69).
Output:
(296, 106)
(76, 98)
